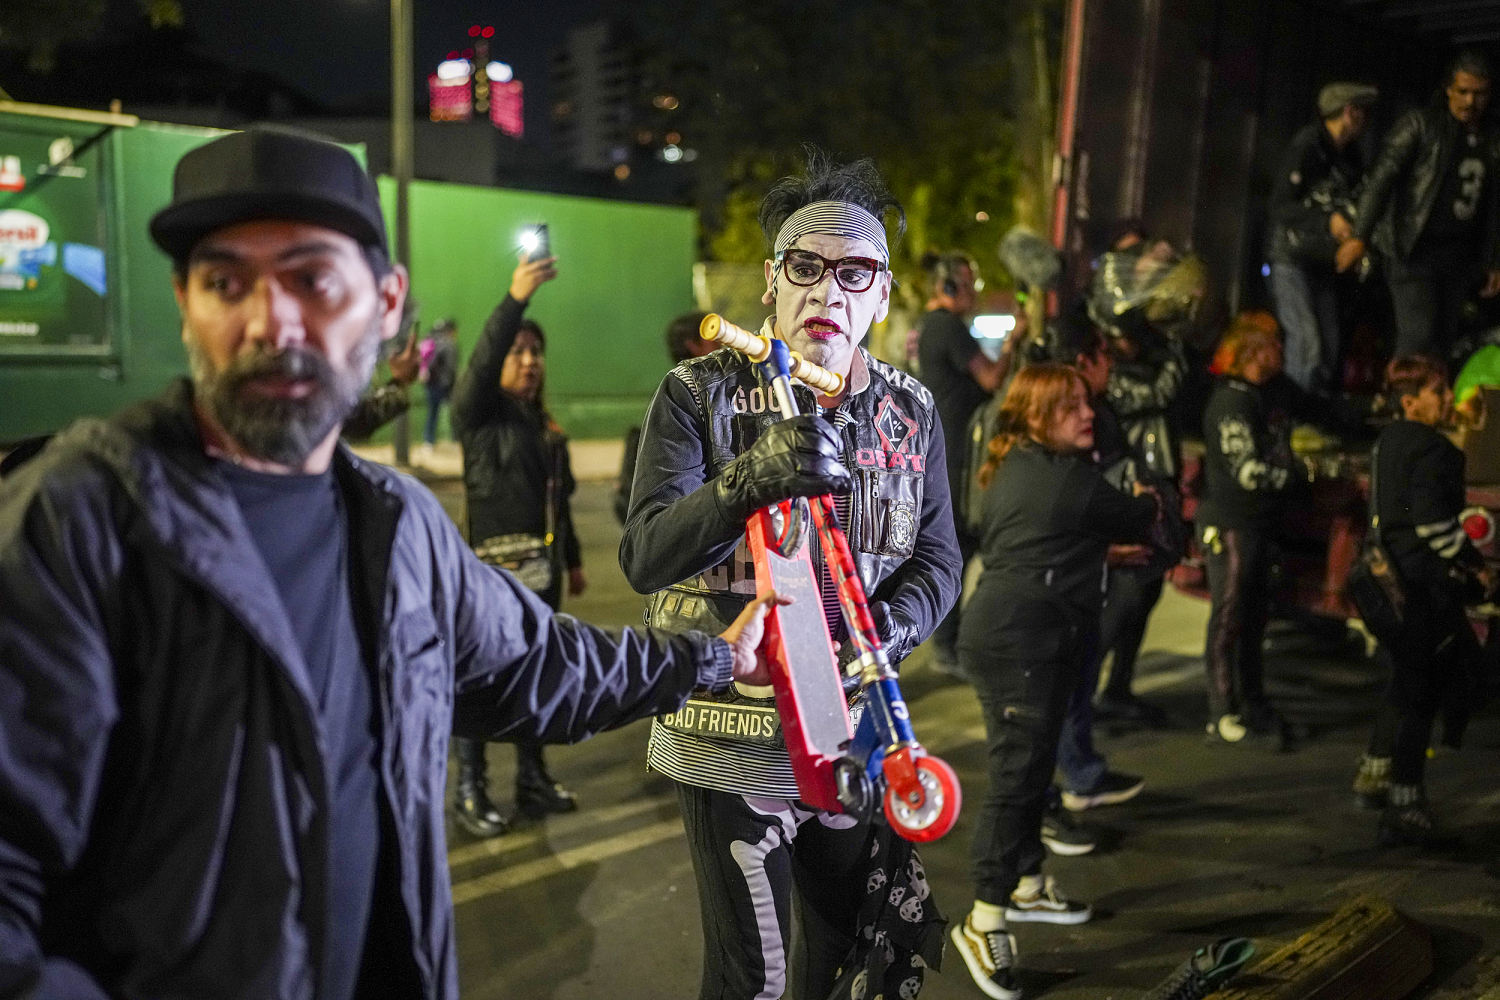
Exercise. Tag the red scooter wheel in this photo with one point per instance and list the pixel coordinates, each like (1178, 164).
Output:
(936, 812)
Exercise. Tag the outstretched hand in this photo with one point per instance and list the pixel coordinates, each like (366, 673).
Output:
(406, 363)
(744, 635)
(1349, 253)
(530, 275)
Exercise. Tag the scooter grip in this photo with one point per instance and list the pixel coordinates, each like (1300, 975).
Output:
(757, 348)
(816, 376)
(718, 329)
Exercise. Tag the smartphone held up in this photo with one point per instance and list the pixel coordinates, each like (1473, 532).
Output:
(535, 243)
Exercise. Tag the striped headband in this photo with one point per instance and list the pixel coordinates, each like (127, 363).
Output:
(833, 218)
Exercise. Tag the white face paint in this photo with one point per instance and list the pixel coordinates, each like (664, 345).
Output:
(823, 322)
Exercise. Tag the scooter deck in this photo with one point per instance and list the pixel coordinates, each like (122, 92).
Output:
(804, 670)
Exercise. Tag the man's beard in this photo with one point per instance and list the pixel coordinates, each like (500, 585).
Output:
(279, 429)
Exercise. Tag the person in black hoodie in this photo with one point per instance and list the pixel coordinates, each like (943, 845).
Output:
(517, 481)
(1049, 517)
(1250, 479)
(1419, 495)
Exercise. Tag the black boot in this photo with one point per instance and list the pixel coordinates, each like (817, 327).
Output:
(536, 793)
(472, 807)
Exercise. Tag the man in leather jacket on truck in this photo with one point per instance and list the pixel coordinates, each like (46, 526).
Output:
(712, 452)
(1310, 208)
(1429, 206)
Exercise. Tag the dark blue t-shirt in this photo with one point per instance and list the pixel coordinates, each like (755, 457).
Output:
(300, 527)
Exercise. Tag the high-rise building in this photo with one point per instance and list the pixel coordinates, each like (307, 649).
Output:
(595, 85)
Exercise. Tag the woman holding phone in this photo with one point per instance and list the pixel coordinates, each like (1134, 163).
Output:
(517, 485)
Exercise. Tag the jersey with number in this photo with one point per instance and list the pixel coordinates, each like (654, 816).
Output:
(1457, 210)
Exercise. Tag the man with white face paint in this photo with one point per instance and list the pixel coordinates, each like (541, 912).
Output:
(711, 453)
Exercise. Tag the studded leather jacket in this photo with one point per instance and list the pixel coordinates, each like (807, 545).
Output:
(679, 546)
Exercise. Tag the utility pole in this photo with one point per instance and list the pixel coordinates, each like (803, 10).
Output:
(401, 167)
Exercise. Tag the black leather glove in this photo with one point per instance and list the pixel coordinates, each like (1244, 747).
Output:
(898, 637)
(793, 458)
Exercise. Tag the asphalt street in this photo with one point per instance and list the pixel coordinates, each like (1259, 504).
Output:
(1223, 841)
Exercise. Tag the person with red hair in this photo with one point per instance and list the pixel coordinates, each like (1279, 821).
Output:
(1248, 467)
(1049, 516)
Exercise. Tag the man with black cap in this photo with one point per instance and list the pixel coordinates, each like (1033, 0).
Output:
(1429, 207)
(1312, 208)
(232, 652)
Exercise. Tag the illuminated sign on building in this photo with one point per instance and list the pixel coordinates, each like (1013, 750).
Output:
(450, 92)
(469, 83)
(506, 106)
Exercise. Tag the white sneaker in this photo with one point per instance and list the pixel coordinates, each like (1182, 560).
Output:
(991, 958)
(1048, 906)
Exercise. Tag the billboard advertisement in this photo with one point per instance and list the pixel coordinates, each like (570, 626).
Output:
(53, 245)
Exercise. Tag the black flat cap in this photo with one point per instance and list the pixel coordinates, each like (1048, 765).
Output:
(267, 174)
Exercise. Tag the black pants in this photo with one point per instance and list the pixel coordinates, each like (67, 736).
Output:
(531, 767)
(1429, 291)
(1436, 668)
(749, 855)
(1023, 703)
(1133, 593)
(1239, 582)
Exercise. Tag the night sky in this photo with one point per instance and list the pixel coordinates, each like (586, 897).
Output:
(338, 51)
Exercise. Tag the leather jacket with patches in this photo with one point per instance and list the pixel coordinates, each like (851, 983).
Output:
(1248, 463)
(679, 546)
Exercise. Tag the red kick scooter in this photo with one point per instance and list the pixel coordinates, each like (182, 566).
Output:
(839, 767)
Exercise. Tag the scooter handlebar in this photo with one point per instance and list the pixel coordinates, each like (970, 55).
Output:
(757, 348)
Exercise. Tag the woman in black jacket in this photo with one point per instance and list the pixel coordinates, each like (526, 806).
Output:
(1419, 496)
(517, 484)
(1049, 517)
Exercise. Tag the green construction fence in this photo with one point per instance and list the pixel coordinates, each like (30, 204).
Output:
(88, 322)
